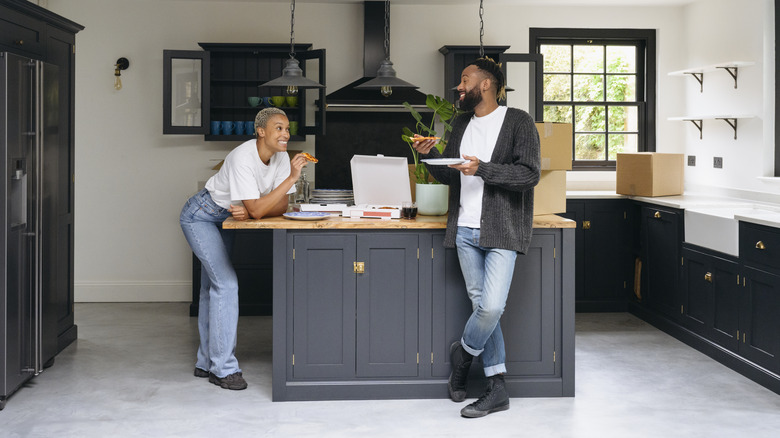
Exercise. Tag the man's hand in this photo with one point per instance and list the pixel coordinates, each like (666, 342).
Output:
(424, 146)
(469, 168)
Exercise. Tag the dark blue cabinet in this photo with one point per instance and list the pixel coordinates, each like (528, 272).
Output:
(661, 236)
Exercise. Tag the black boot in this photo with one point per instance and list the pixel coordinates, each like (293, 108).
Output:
(461, 362)
(494, 399)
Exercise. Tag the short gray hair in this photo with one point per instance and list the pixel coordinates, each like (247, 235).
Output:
(261, 120)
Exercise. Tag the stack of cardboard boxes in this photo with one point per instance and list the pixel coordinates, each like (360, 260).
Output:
(556, 145)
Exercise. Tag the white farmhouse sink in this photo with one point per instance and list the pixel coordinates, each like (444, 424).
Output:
(716, 228)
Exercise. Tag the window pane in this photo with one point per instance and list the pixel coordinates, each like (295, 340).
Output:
(588, 59)
(589, 119)
(561, 114)
(621, 88)
(589, 147)
(622, 143)
(557, 88)
(623, 119)
(621, 59)
(588, 88)
(557, 59)
(186, 92)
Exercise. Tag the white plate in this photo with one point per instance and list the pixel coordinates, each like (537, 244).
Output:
(444, 161)
(306, 215)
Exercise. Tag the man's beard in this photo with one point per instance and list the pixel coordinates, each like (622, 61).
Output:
(471, 99)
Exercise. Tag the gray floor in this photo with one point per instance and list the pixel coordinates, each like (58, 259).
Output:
(130, 374)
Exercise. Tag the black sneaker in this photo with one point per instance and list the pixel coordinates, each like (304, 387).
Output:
(233, 381)
(201, 373)
(494, 399)
(461, 363)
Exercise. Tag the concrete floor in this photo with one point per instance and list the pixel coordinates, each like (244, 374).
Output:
(130, 374)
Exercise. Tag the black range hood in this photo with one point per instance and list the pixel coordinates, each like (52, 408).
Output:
(349, 98)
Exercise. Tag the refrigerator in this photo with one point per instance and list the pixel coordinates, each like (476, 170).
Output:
(29, 120)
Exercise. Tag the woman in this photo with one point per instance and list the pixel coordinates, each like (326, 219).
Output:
(254, 181)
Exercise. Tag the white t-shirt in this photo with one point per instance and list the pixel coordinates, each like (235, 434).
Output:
(243, 175)
(479, 140)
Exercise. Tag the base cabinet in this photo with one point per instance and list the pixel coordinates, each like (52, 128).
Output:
(370, 314)
(661, 236)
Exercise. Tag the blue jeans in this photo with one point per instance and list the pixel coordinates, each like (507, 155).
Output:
(488, 275)
(201, 220)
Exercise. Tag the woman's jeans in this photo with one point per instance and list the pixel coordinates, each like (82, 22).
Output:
(488, 275)
(201, 220)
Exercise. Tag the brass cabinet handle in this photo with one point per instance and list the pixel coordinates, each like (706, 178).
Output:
(708, 277)
(359, 267)
(657, 215)
(760, 245)
(585, 225)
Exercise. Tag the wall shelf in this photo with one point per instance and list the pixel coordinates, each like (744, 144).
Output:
(698, 121)
(732, 68)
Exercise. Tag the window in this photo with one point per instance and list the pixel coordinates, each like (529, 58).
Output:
(603, 82)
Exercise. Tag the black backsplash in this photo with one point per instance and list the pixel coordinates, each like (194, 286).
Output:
(358, 133)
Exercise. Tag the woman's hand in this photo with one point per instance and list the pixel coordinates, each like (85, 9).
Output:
(296, 164)
(239, 212)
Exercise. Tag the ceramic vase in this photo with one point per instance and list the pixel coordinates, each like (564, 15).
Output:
(431, 199)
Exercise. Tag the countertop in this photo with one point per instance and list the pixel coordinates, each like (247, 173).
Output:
(740, 209)
(338, 222)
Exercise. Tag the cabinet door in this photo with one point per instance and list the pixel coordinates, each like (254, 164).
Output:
(607, 262)
(387, 303)
(575, 210)
(318, 128)
(696, 290)
(186, 78)
(323, 306)
(759, 322)
(661, 243)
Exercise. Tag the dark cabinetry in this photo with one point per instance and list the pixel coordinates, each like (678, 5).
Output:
(200, 87)
(661, 237)
(372, 314)
(604, 261)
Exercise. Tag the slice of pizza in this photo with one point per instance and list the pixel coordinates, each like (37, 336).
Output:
(309, 157)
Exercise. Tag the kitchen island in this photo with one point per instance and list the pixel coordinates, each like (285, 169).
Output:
(367, 309)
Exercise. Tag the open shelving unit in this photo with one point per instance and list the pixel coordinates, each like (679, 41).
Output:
(698, 121)
(732, 68)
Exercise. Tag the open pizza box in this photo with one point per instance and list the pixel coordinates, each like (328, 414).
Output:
(380, 185)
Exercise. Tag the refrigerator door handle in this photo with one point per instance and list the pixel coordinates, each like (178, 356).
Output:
(38, 166)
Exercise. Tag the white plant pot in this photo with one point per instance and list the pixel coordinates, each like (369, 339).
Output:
(431, 199)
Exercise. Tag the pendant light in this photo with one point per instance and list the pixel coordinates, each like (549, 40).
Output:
(385, 78)
(292, 76)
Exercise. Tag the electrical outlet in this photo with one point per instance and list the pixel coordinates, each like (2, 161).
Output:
(717, 162)
(691, 160)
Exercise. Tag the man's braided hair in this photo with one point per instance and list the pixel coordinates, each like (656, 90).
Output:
(493, 70)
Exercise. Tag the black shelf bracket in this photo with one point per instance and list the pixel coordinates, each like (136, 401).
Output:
(698, 123)
(733, 123)
(700, 78)
(734, 72)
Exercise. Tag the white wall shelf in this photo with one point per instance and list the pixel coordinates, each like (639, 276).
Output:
(698, 72)
(698, 121)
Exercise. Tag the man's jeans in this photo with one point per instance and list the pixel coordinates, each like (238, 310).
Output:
(488, 275)
(201, 220)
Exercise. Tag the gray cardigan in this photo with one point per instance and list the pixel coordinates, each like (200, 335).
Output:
(510, 176)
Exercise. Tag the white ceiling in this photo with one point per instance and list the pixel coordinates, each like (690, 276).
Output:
(488, 3)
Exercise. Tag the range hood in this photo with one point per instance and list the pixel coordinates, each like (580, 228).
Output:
(348, 98)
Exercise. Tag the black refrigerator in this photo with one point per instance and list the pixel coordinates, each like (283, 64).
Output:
(29, 121)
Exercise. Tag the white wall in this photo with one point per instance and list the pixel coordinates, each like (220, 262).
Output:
(131, 181)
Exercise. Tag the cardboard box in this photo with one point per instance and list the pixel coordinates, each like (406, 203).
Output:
(550, 193)
(556, 145)
(649, 174)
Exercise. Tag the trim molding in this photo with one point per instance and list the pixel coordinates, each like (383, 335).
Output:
(132, 291)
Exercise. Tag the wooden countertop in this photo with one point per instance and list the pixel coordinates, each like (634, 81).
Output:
(338, 222)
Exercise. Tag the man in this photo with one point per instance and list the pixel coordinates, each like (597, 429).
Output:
(253, 182)
(490, 219)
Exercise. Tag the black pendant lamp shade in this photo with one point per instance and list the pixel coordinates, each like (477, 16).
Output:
(386, 78)
(292, 75)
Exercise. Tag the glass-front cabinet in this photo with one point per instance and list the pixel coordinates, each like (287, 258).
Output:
(218, 91)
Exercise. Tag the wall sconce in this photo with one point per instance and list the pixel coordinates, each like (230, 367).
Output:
(121, 64)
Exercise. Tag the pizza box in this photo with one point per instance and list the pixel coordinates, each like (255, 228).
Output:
(380, 186)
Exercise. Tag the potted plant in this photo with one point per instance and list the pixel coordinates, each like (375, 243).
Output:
(430, 195)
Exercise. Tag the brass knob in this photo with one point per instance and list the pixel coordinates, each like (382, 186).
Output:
(585, 225)
(657, 215)
(708, 277)
(760, 245)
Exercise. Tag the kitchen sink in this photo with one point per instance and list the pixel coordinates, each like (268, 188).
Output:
(715, 227)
